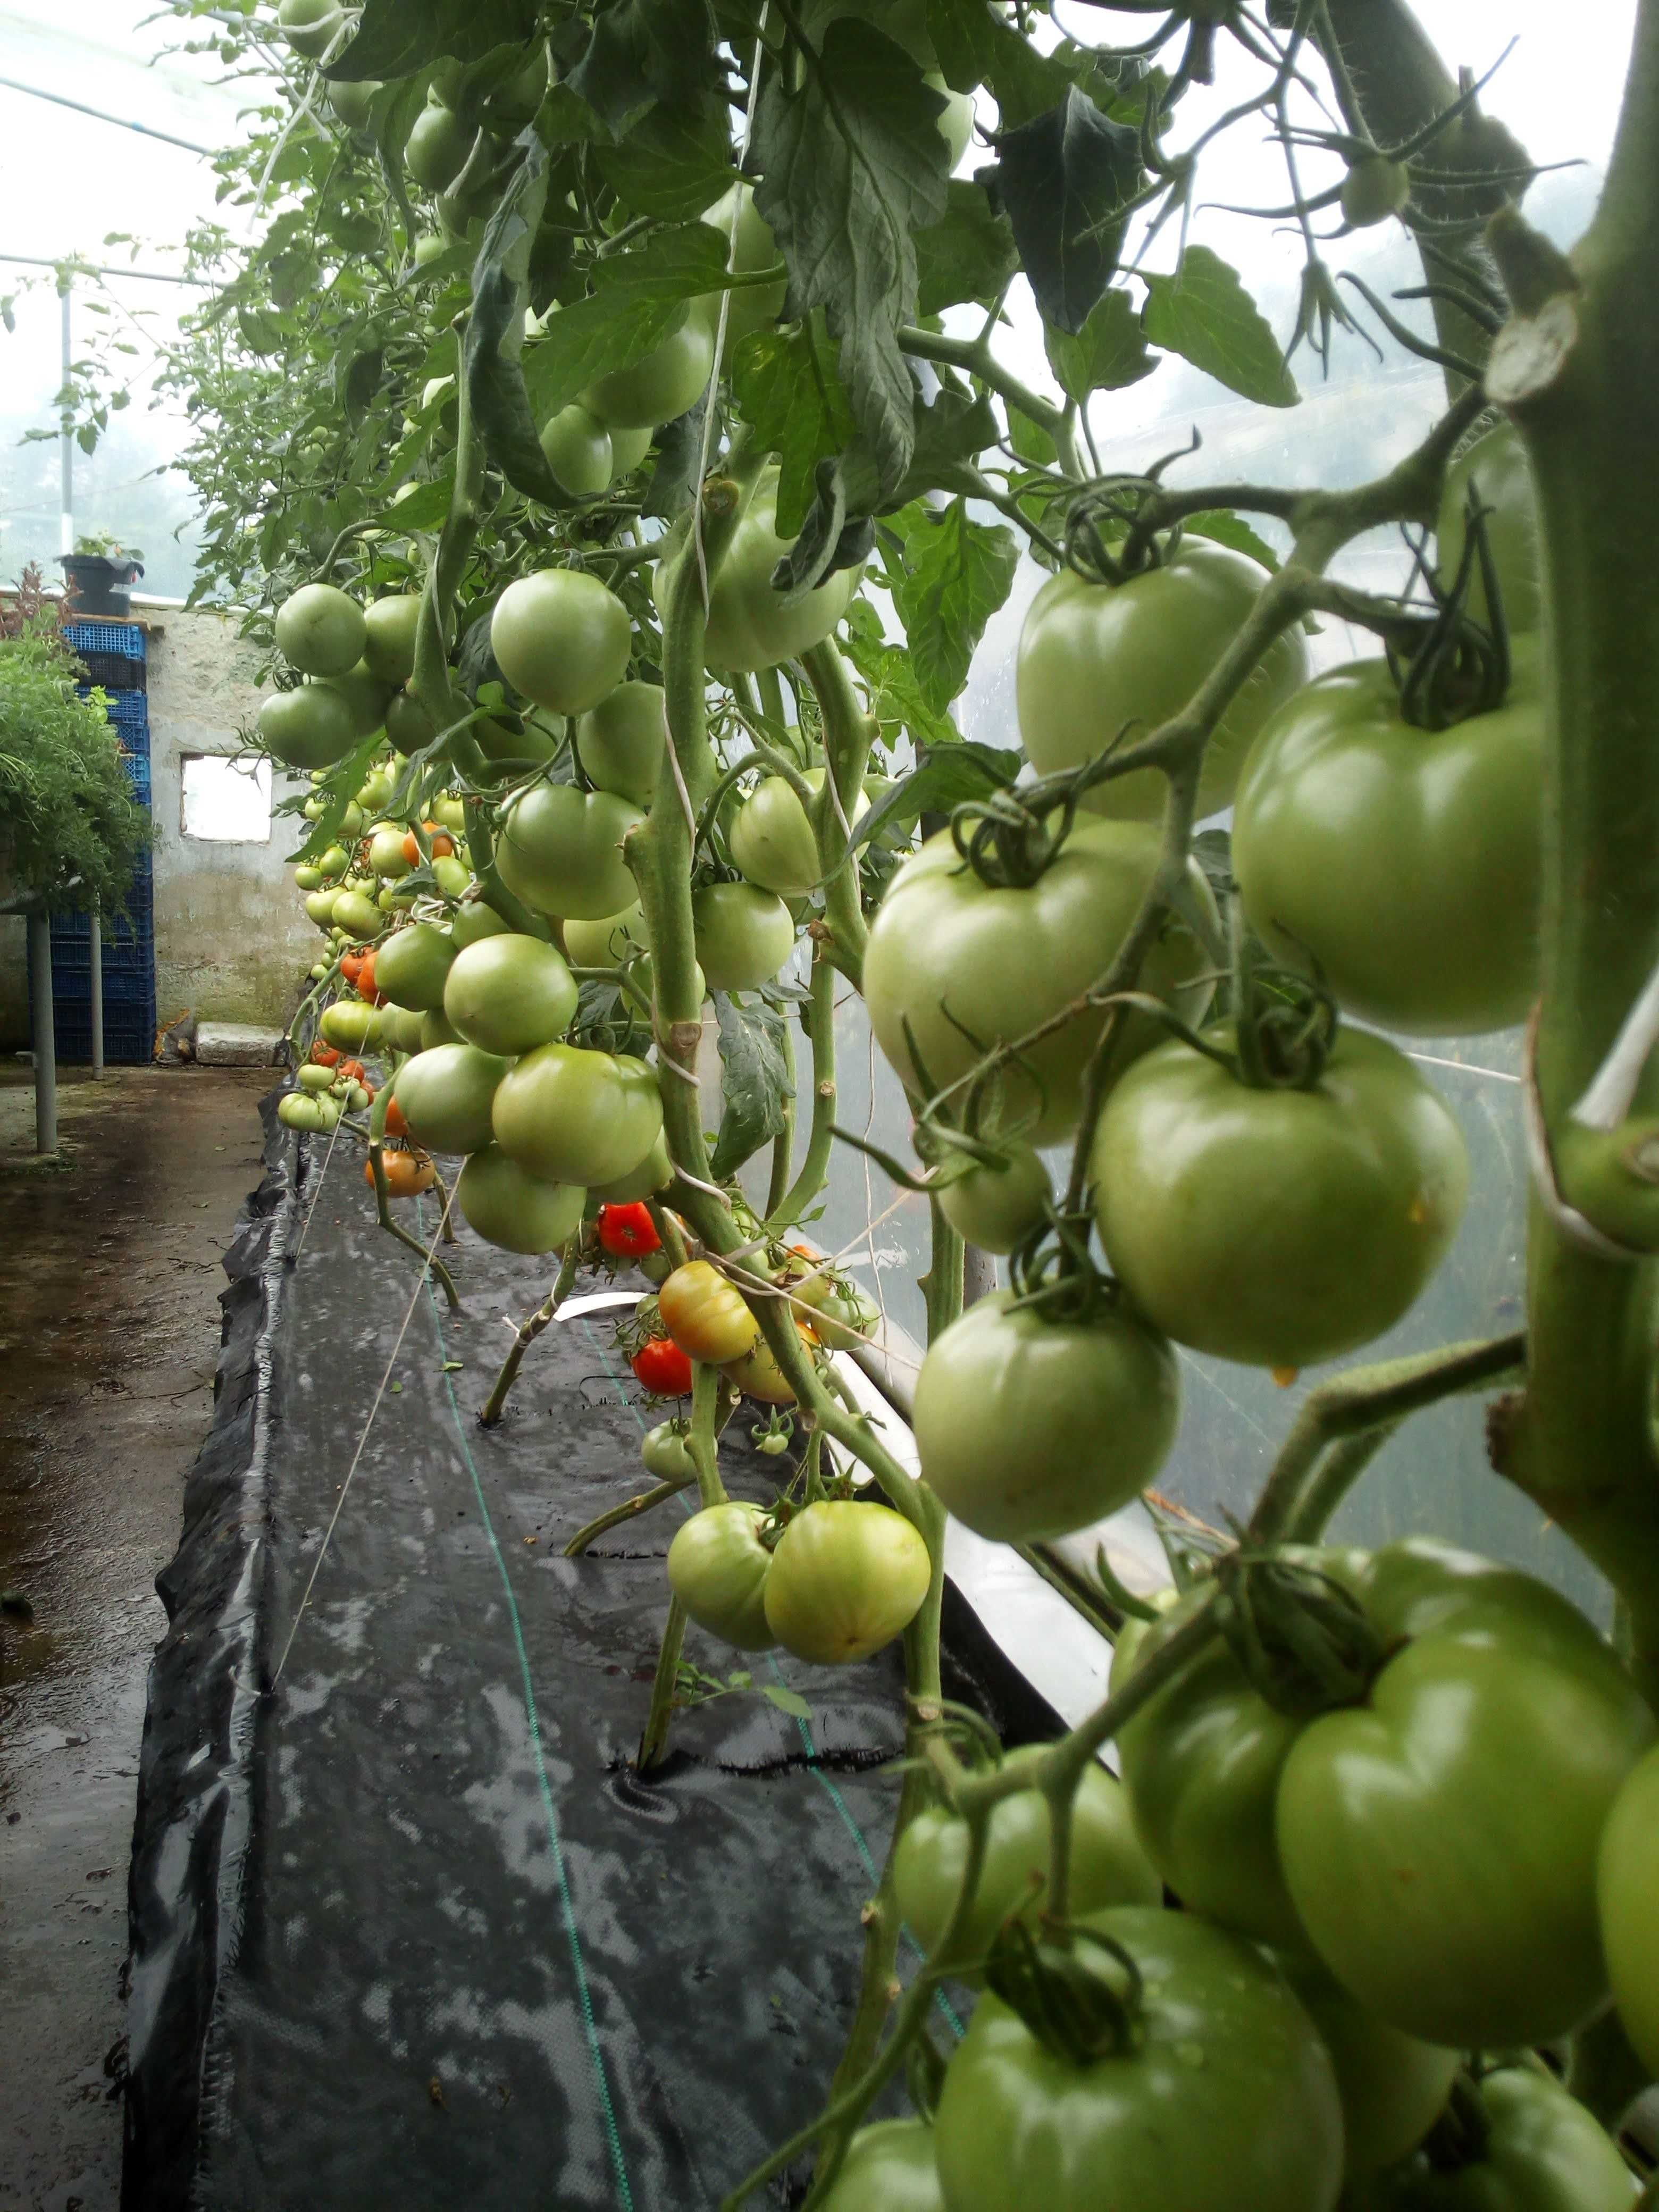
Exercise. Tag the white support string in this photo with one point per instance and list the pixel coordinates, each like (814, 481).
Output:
(374, 1407)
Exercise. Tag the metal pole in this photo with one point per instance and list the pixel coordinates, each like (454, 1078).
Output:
(95, 949)
(145, 129)
(45, 1043)
(66, 428)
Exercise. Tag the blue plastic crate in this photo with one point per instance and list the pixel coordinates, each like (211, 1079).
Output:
(129, 1032)
(137, 768)
(124, 639)
(128, 711)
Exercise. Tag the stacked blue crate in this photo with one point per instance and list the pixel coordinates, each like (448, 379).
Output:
(114, 656)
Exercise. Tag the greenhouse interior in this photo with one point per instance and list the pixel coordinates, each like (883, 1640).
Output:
(829, 1111)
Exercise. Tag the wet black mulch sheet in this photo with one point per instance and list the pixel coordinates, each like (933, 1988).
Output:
(408, 1929)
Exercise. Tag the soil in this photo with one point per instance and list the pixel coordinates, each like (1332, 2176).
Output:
(109, 1331)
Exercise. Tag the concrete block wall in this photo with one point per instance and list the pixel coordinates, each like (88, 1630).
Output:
(232, 939)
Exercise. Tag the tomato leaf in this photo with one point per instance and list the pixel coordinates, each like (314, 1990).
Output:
(674, 163)
(638, 299)
(890, 680)
(495, 374)
(679, 449)
(787, 1701)
(426, 507)
(1065, 179)
(853, 168)
(945, 776)
(1204, 315)
(955, 573)
(395, 37)
(969, 255)
(641, 51)
(1109, 353)
(787, 389)
(755, 1081)
(1223, 528)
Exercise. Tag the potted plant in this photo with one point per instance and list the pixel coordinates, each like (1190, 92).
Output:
(99, 575)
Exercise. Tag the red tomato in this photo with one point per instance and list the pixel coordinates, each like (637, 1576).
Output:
(395, 1124)
(352, 966)
(627, 1231)
(406, 1173)
(364, 978)
(664, 1369)
(353, 1068)
(441, 843)
(325, 1055)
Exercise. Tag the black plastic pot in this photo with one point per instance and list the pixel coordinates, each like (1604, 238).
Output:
(100, 585)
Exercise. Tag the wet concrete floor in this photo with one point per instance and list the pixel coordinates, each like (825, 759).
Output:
(109, 1329)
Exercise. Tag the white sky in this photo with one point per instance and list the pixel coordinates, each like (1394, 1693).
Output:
(66, 181)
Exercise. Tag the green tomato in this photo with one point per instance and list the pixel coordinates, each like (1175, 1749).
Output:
(312, 1078)
(474, 921)
(1393, 2087)
(1224, 2097)
(620, 741)
(366, 696)
(609, 942)
(1028, 1426)
(1404, 863)
(1277, 1227)
(846, 1579)
(1395, 1821)
(350, 1024)
(998, 1207)
(436, 1029)
(514, 102)
(750, 248)
(773, 843)
(310, 26)
(842, 1316)
(335, 861)
(386, 856)
(562, 639)
(1496, 468)
(376, 788)
(577, 449)
(1096, 658)
(356, 912)
(743, 936)
(660, 388)
(445, 1096)
(518, 1211)
(389, 648)
(571, 1115)
(353, 103)
(450, 874)
(311, 728)
(408, 725)
(956, 124)
(1108, 1865)
(450, 813)
(436, 149)
(320, 631)
(560, 850)
(654, 1173)
(1373, 189)
(750, 624)
(302, 1110)
(628, 449)
(717, 1568)
(308, 878)
(401, 1028)
(966, 966)
(1543, 2152)
(508, 994)
(889, 2167)
(666, 1454)
(1627, 1887)
(412, 967)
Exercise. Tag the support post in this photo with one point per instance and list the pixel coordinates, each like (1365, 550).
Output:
(43, 1038)
(95, 955)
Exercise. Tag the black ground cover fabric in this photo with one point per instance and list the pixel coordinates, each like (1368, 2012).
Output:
(408, 1929)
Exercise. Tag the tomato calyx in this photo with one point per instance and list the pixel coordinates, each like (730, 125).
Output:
(1305, 1643)
(1449, 666)
(1461, 2135)
(1081, 2009)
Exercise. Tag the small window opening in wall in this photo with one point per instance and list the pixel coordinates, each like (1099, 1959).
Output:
(227, 801)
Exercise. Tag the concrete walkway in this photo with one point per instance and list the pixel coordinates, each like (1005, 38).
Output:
(109, 1329)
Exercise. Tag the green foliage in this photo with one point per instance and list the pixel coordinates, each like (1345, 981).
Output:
(70, 831)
